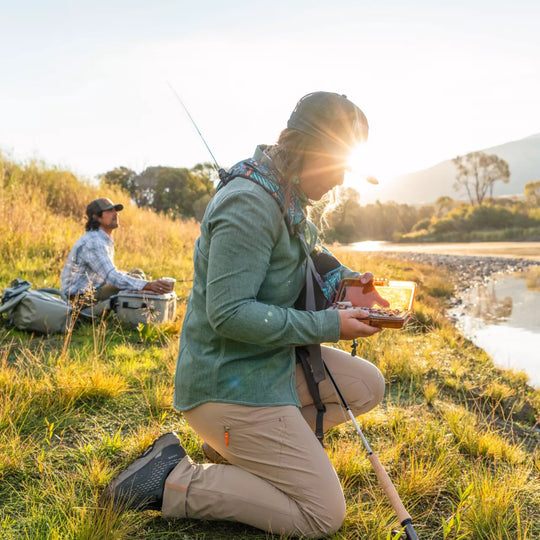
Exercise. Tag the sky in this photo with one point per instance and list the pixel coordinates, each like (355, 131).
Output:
(87, 85)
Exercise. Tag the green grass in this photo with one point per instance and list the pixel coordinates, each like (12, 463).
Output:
(454, 432)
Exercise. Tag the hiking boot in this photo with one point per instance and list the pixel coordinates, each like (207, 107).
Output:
(213, 456)
(140, 486)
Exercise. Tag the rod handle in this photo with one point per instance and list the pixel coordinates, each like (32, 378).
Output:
(388, 488)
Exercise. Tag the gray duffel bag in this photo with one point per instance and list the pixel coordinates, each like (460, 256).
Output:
(45, 310)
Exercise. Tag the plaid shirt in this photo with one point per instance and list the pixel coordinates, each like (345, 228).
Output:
(90, 265)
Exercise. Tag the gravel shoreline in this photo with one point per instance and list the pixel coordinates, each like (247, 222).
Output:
(467, 269)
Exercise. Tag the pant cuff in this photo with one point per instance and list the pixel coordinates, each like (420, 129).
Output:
(176, 490)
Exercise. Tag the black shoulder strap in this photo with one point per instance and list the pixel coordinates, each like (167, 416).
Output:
(317, 365)
(311, 356)
(303, 356)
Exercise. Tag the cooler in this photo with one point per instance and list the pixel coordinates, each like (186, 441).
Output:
(138, 307)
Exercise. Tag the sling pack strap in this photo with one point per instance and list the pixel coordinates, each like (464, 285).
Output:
(311, 356)
(15, 290)
(317, 366)
(303, 355)
(56, 292)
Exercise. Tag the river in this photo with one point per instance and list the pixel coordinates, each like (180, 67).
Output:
(502, 317)
(500, 314)
(519, 250)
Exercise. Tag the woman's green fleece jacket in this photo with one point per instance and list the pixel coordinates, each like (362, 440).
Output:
(240, 327)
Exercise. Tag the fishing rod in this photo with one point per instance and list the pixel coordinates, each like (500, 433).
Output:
(384, 479)
(216, 166)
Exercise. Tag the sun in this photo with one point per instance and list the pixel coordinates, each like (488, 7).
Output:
(371, 162)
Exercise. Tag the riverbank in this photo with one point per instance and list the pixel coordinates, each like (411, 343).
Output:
(456, 434)
(516, 250)
(495, 335)
(465, 269)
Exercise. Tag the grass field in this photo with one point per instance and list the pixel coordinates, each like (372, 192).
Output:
(458, 436)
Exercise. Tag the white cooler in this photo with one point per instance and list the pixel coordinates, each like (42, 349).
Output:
(136, 307)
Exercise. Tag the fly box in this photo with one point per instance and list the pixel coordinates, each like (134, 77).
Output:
(136, 307)
(388, 303)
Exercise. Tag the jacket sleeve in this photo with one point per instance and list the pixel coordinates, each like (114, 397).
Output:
(100, 263)
(243, 234)
(332, 262)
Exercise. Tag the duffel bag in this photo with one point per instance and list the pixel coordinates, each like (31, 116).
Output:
(45, 310)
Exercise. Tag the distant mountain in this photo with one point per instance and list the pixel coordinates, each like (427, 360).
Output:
(425, 186)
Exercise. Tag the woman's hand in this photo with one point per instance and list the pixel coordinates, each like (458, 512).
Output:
(352, 325)
(366, 278)
(370, 295)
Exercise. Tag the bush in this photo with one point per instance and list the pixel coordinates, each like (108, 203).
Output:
(422, 225)
(488, 217)
(447, 224)
(485, 222)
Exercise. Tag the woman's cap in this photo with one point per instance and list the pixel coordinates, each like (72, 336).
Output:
(330, 118)
(100, 205)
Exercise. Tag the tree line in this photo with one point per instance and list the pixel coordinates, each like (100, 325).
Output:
(177, 192)
(184, 193)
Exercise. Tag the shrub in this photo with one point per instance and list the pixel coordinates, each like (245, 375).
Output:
(422, 225)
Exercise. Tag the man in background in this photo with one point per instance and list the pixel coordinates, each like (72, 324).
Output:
(89, 275)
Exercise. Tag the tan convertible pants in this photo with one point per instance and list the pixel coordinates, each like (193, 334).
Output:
(279, 478)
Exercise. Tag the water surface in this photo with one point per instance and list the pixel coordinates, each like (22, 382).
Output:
(502, 317)
(525, 250)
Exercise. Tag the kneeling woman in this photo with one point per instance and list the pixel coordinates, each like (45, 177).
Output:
(237, 380)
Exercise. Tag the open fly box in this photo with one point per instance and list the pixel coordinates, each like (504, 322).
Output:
(388, 303)
(136, 307)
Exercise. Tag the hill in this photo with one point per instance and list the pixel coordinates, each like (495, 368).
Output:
(425, 186)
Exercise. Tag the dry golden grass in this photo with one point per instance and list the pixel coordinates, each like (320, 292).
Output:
(75, 409)
(44, 213)
(494, 510)
(431, 390)
(479, 441)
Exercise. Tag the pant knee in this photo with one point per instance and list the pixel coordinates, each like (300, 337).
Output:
(379, 387)
(331, 522)
(324, 522)
(370, 393)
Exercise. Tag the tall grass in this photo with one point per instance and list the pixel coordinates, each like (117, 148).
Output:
(43, 214)
(76, 408)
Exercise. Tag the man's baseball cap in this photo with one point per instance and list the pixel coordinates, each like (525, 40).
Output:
(332, 119)
(100, 205)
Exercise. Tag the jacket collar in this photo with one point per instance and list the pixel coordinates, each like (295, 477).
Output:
(261, 170)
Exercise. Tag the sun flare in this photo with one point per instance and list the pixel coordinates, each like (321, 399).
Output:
(371, 162)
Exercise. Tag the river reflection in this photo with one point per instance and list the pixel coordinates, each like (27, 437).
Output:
(503, 318)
